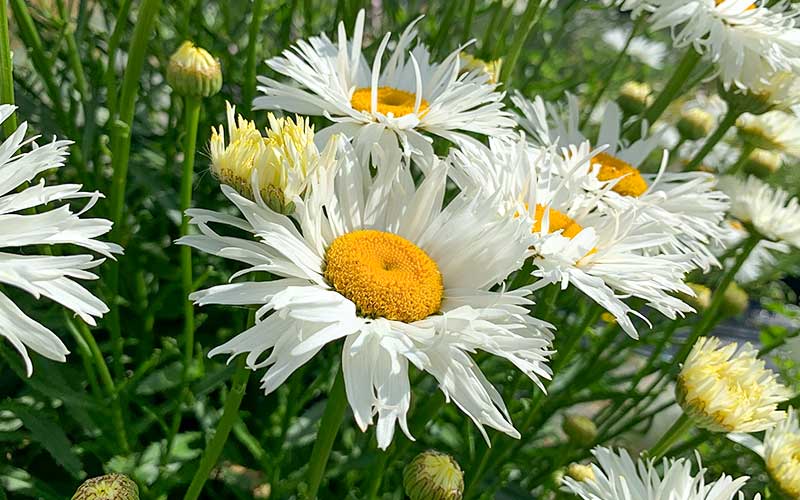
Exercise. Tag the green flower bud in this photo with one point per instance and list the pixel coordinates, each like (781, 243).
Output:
(579, 429)
(580, 472)
(763, 163)
(735, 301)
(193, 72)
(433, 476)
(702, 298)
(635, 97)
(695, 123)
(108, 487)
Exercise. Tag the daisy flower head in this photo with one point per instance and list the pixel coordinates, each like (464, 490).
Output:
(686, 205)
(649, 52)
(54, 277)
(746, 40)
(617, 477)
(394, 102)
(379, 264)
(726, 388)
(608, 255)
(767, 209)
(782, 455)
(773, 131)
(761, 259)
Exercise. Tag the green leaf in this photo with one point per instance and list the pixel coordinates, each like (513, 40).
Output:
(49, 434)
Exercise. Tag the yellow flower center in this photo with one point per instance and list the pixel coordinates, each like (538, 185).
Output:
(390, 100)
(558, 221)
(384, 275)
(631, 183)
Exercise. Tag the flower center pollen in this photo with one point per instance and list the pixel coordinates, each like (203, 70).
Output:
(558, 221)
(631, 183)
(384, 275)
(390, 100)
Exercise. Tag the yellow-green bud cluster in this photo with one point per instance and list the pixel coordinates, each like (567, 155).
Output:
(695, 123)
(763, 163)
(193, 72)
(580, 472)
(108, 487)
(635, 97)
(433, 476)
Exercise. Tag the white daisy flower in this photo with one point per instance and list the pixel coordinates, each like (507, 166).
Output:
(649, 52)
(607, 255)
(774, 131)
(761, 259)
(382, 265)
(782, 454)
(618, 477)
(766, 208)
(727, 388)
(394, 102)
(687, 204)
(747, 41)
(44, 275)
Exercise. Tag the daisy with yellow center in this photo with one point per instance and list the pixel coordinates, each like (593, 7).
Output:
(685, 205)
(396, 103)
(572, 242)
(396, 276)
(728, 389)
(782, 455)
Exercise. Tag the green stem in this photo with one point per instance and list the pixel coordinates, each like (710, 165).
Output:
(678, 429)
(470, 15)
(113, 44)
(668, 94)
(249, 90)
(120, 151)
(728, 121)
(747, 150)
(6, 70)
(520, 37)
(230, 414)
(613, 70)
(191, 117)
(711, 315)
(328, 428)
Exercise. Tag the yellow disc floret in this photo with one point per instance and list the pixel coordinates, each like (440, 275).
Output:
(558, 221)
(631, 182)
(390, 100)
(385, 275)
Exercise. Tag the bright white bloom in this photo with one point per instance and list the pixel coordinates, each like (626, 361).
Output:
(382, 265)
(44, 275)
(728, 389)
(768, 209)
(782, 455)
(774, 131)
(607, 255)
(388, 102)
(650, 52)
(747, 41)
(761, 259)
(687, 205)
(618, 477)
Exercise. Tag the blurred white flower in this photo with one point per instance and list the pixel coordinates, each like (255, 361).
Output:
(774, 131)
(650, 52)
(380, 264)
(618, 477)
(392, 103)
(761, 259)
(44, 275)
(782, 455)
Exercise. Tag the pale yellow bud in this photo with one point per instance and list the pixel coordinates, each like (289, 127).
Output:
(193, 72)
(433, 476)
(695, 123)
(635, 97)
(580, 472)
(109, 487)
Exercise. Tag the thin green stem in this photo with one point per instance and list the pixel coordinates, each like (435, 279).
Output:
(249, 89)
(612, 70)
(728, 121)
(109, 78)
(520, 37)
(747, 150)
(673, 434)
(328, 428)
(468, 17)
(230, 414)
(6, 70)
(120, 151)
(191, 119)
(672, 89)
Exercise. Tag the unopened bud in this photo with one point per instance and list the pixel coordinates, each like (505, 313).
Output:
(635, 97)
(702, 298)
(735, 300)
(695, 123)
(193, 72)
(433, 476)
(580, 430)
(763, 163)
(108, 487)
(490, 68)
(580, 472)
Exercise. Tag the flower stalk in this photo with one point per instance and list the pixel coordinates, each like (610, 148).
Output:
(728, 121)
(328, 429)
(6, 70)
(673, 434)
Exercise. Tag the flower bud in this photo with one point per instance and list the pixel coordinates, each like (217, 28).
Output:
(695, 123)
(635, 97)
(193, 72)
(579, 429)
(702, 298)
(763, 163)
(490, 68)
(734, 301)
(580, 472)
(108, 487)
(433, 476)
